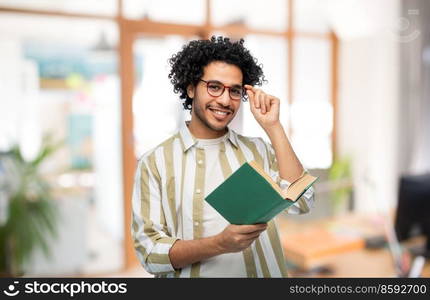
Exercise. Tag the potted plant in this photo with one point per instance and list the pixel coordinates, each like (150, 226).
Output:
(341, 184)
(30, 213)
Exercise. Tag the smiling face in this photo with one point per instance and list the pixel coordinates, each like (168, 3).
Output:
(210, 115)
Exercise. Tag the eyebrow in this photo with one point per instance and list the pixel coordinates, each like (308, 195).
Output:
(234, 85)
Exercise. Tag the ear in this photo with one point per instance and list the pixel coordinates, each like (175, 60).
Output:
(190, 91)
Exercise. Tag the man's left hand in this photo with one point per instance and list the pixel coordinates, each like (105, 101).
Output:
(264, 107)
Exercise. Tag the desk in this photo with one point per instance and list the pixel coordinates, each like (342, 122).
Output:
(358, 263)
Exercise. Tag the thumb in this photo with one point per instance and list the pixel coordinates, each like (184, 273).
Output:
(250, 94)
(275, 103)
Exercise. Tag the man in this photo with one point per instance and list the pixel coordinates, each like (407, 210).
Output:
(176, 232)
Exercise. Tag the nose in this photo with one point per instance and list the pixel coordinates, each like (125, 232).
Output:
(224, 99)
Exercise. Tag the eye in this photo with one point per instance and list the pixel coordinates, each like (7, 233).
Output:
(236, 91)
(214, 87)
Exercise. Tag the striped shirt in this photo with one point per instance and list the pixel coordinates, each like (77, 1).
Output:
(171, 182)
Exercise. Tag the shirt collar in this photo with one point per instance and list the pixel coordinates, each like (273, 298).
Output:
(188, 140)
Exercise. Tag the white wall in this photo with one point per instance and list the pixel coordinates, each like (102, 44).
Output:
(368, 105)
(11, 94)
(107, 156)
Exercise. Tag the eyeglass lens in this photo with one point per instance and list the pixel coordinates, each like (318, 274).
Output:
(216, 89)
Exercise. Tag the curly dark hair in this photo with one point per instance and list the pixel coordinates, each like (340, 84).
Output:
(187, 65)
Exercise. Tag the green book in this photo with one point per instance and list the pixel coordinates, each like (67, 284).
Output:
(251, 196)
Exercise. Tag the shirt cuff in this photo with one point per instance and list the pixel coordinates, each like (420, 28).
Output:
(283, 184)
(158, 260)
(304, 203)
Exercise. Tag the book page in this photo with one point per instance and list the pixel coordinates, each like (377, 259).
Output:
(299, 186)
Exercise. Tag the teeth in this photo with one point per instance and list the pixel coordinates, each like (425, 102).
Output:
(220, 112)
(223, 113)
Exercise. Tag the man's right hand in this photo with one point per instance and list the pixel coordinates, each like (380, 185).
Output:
(235, 238)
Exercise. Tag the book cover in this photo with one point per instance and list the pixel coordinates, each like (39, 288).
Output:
(250, 196)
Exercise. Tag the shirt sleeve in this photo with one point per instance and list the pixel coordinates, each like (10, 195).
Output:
(151, 240)
(305, 202)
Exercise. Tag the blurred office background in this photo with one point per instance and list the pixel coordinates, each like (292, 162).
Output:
(353, 77)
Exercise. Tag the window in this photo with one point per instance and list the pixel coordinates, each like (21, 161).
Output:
(264, 15)
(167, 11)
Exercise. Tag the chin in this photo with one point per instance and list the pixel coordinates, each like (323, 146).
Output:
(216, 125)
(219, 125)
(219, 128)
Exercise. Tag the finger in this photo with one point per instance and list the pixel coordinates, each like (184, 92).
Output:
(275, 102)
(251, 96)
(257, 99)
(250, 228)
(250, 87)
(264, 106)
(267, 101)
(261, 97)
(252, 105)
(258, 231)
(251, 101)
(252, 236)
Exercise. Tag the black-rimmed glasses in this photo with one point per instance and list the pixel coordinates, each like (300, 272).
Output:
(216, 89)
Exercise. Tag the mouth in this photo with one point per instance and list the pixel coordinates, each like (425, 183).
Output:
(220, 114)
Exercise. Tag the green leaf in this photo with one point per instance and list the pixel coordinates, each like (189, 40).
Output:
(33, 214)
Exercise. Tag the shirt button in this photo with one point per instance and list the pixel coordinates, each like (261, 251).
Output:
(198, 191)
(200, 162)
(196, 223)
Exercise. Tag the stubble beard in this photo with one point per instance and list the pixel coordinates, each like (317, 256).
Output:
(202, 118)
